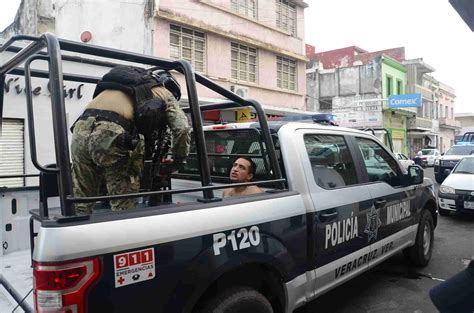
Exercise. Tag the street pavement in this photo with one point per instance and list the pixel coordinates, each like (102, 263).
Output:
(394, 285)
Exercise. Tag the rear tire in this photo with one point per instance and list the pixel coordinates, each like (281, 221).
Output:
(238, 300)
(420, 253)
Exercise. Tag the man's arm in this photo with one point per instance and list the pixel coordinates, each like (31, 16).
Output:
(179, 126)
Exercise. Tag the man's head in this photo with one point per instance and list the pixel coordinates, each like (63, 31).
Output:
(243, 170)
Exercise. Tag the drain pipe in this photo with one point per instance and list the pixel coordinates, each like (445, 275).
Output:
(15, 295)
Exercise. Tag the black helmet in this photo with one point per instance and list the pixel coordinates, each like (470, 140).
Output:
(165, 79)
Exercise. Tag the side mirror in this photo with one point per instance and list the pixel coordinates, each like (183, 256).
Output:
(442, 154)
(415, 175)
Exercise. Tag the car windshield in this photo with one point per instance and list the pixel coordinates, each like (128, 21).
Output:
(465, 166)
(427, 152)
(460, 150)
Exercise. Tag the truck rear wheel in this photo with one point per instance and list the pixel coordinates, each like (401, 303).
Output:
(420, 253)
(238, 300)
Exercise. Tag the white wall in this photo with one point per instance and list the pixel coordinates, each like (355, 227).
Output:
(15, 107)
(118, 24)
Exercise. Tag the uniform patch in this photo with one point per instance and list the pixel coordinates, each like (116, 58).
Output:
(134, 267)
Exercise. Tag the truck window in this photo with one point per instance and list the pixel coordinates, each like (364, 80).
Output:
(223, 147)
(331, 161)
(379, 164)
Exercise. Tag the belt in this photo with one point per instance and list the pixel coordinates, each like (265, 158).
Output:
(109, 116)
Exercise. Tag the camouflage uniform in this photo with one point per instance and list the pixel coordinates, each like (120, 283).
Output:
(177, 122)
(100, 152)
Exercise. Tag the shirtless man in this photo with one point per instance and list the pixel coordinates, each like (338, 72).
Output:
(242, 171)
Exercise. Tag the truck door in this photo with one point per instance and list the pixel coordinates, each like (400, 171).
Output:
(392, 222)
(339, 246)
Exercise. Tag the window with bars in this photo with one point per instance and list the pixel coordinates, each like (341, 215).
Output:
(188, 44)
(244, 63)
(286, 16)
(245, 7)
(286, 73)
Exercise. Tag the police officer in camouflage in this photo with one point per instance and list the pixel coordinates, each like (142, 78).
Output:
(108, 141)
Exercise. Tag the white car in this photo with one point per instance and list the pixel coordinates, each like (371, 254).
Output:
(457, 191)
(429, 155)
(404, 160)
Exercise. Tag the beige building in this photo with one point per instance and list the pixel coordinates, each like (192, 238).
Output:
(445, 96)
(466, 122)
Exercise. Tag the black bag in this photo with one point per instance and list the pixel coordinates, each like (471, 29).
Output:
(150, 115)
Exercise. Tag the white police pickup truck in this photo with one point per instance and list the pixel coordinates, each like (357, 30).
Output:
(336, 203)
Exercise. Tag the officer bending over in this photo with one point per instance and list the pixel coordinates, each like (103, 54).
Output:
(108, 140)
(242, 171)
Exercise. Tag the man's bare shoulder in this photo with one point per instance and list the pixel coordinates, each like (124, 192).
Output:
(253, 189)
(227, 192)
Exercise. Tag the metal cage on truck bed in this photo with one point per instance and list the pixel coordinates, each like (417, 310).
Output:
(48, 48)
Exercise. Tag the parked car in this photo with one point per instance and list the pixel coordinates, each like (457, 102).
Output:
(456, 194)
(428, 156)
(404, 160)
(448, 161)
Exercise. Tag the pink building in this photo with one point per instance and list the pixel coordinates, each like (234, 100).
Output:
(252, 47)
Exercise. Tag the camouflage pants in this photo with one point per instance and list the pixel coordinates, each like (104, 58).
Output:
(101, 154)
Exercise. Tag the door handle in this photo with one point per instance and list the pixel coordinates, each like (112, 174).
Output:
(380, 203)
(327, 216)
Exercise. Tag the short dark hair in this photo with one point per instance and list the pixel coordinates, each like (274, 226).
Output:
(253, 166)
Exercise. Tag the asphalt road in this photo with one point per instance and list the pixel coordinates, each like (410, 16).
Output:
(395, 286)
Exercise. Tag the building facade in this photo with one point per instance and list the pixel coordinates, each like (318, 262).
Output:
(448, 127)
(354, 85)
(465, 122)
(254, 48)
(434, 125)
(126, 25)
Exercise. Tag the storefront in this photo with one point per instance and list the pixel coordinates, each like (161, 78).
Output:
(395, 121)
(15, 148)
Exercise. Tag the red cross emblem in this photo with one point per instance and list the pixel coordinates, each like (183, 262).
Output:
(120, 280)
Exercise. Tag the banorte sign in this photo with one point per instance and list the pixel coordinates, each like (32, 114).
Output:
(14, 85)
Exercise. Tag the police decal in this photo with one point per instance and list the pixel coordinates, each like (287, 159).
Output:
(134, 267)
(341, 231)
(362, 260)
(398, 211)
(239, 239)
(373, 223)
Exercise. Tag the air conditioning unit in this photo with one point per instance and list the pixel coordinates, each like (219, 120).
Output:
(240, 90)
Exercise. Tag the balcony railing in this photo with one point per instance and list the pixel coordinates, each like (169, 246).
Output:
(420, 123)
(426, 93)
(449, 122)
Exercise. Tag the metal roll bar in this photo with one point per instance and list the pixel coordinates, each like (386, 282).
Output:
(54, 46)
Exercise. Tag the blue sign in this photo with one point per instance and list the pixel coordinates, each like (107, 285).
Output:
(405, 101)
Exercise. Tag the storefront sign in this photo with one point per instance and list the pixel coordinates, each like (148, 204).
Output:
(405, 101)
(14, 85)
(367, 113)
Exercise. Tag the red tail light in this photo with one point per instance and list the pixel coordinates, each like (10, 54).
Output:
(62, 287)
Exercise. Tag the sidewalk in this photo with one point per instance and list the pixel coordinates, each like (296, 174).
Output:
(16, 269)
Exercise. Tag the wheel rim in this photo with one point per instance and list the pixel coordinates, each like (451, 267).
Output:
(426, 239)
